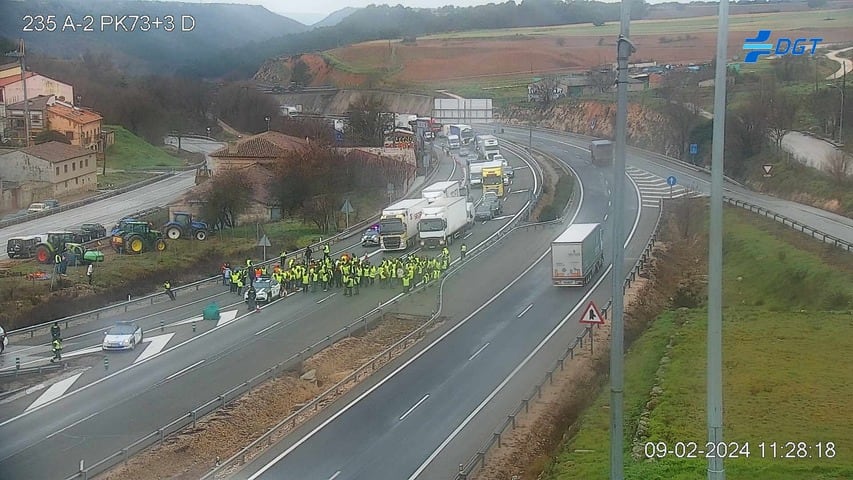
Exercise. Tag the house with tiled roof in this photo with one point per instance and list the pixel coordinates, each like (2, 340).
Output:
(66, 169)
(266, 148)
(80, 126)
(12, 91)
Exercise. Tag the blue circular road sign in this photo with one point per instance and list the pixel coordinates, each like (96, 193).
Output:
(671, 180)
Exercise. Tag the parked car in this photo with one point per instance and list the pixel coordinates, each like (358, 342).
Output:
(22, 247)
(122, 336)
(371, 236)
(4, 340)
(37, 207)
(267, 289)
(51, 203)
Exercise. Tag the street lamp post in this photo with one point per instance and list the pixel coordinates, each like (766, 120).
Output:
(841, 117)
(267, 118)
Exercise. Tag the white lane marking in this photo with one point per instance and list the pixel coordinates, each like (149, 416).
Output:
(333, 477)
(478, 351)
(83, 351)
(184, 322)
(226, 317)
(55, 391)
(605, 216)
(521, 365)
(502, 217)
(185, 370)
(155, 346)
(78, 422)
(524, 311)
(414, 407)
(324, 299)
(467, 235)
(268, 328)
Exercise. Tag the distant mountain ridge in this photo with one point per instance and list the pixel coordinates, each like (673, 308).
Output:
(215, 27)
(335, 17)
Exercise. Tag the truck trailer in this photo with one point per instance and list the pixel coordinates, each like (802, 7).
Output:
(443, 220)
(576, 255)
(601, 153)
(453, 141)
(398, 225)
(439, 190)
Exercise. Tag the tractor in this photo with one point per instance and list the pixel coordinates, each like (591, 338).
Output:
(183, 225)
(90, 231)
(62, 242)
(137, 237)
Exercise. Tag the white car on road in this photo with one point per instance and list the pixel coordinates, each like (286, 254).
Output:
(122, 336)
(267, 289)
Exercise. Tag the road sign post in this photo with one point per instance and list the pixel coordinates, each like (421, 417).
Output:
(694, 150)
(347, 209)
(592, 315)
(671, 181)
(264, 242)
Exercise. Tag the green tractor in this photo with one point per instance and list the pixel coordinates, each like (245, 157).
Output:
(58, 243)
(136, 237)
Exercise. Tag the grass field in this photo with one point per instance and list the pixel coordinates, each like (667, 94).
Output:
(121, 179)
(132, 153)
(808, 20)
(786, 328)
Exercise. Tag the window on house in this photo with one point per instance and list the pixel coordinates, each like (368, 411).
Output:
(87, 162)
(73, 166)
(69, 134)
(77, 181)
(57, 171)
(66, 168)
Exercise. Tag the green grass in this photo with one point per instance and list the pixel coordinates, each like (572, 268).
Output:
(349, 67)
(132, 153)
(784, 374)
(810, 20)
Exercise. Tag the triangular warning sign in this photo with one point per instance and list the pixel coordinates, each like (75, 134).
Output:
(767, 167)
(592, 315)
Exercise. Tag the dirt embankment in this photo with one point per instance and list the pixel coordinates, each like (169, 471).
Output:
(670, 280)
(647, 128)
(193, 452)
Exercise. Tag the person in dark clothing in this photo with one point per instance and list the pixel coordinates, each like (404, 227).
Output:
(55, 332)
(252, 298)
(308, 253)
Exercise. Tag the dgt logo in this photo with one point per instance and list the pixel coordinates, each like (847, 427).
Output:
(784, 46)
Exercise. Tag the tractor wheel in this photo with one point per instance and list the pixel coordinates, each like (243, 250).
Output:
(43, 254)
(173, 233)
(160, 245)
(201, 235)
(134, 244)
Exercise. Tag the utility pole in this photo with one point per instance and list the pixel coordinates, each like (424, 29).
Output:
(624, 49)
(716, 471)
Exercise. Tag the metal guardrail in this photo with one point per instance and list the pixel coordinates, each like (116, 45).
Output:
(813, 232)
(18, 370)
(478, 460)
(191, 417)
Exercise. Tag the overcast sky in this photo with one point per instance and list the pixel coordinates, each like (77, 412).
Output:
(315, 10)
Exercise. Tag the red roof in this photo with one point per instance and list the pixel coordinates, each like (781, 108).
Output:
(263, 145)
(77, 115)
(14, 78)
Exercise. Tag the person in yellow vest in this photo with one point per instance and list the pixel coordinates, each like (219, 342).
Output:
(306, 280)
(407, 282)
(326, 251)
(347, 285)
(235, 276)
(315, 279)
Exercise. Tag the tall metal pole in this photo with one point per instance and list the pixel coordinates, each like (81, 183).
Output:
(714, 407)
(624, 49)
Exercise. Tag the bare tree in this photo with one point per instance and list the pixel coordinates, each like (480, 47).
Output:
(839, 165)
(365, 121)
(602, 79)
(781, 115)
(227, 197)
(679, 92)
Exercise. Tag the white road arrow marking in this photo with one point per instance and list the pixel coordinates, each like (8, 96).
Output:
(83, 351)
(55, 391)
(226, 317)
(184, 322)
(155, 345)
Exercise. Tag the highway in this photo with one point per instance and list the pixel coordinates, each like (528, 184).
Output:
(108, 211)
(101, 408)
(425, 417)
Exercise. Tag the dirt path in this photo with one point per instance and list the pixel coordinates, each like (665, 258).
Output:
(193, 452)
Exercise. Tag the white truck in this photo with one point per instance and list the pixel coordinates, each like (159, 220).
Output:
(438, 190)
(398, 225)
(576, 255)
(453, 141)
(443, 220)
(507, 170)
(487, 147)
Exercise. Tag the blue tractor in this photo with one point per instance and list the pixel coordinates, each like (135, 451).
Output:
(183, 225)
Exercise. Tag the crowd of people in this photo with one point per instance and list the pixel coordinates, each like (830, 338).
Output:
(348, 272)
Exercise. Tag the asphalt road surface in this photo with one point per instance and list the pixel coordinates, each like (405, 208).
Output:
(103, 410)
(418, 420)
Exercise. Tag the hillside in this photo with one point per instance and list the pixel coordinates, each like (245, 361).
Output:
(335, 17)
(217, 27)
(471, 56)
